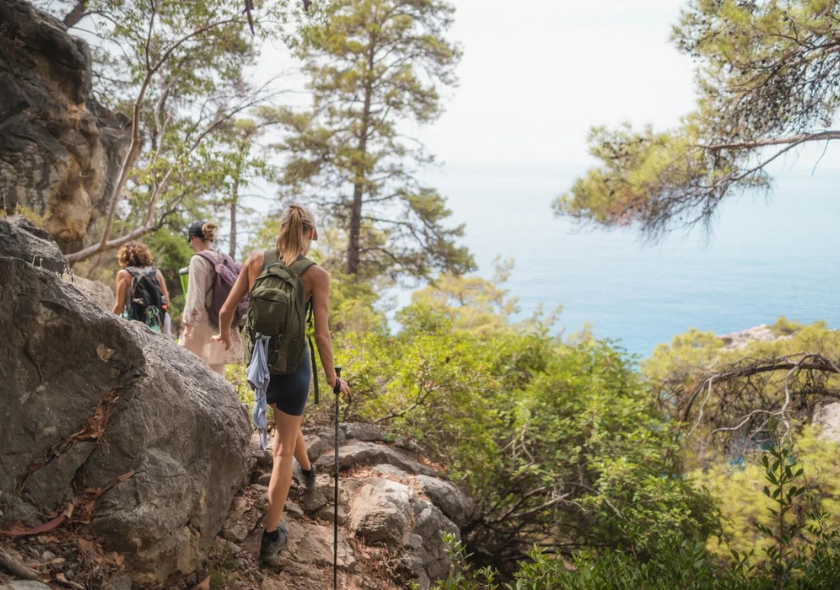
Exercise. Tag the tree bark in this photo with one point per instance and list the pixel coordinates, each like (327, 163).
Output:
(74, 16)
(354, 245)
(234, 204)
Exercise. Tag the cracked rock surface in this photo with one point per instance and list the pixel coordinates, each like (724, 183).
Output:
(60, 151)
(89, 400)
(392, 511)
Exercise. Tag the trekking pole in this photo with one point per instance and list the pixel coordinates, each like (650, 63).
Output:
(337, 392)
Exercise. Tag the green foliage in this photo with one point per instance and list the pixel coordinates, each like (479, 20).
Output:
(781, 471)
(653, 179)
(679, 565)
(239, 164)
(784, 327)
(472, 304)
(178, 72)
(738, 490)
(688, 354)
(33, 217)
(765, 81)
(675, 562)
(463, 576)
(237, 376)
(676, 370)
(562, 443)
(373, 64)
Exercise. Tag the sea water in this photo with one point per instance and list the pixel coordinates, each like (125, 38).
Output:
(765, 256)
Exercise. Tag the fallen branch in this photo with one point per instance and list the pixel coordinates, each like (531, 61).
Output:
(87, 504)
(740, 400)
(16, 567)
(805, 362)
(43, 528)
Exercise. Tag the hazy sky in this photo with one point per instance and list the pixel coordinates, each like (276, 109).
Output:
(536, 75)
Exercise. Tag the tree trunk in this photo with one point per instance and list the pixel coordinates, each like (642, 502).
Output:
(355, 230)
(234, 204)
(244, 147)
(74, 16)
(354, 247)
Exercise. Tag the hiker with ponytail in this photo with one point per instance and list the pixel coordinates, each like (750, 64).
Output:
(283, 285)
(202, 305)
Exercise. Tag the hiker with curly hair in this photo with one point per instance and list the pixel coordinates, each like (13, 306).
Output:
(141, 293)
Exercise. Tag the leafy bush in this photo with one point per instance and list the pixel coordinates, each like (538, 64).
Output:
(560, 441)
(800, 555)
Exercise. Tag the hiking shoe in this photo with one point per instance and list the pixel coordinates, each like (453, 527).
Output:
(269, 549)
(307, 480)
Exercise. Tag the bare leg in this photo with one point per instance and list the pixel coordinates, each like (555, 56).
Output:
(285, 441)
(300, 452)
(220, 369)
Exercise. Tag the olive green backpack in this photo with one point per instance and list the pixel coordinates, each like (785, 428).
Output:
(278, 309)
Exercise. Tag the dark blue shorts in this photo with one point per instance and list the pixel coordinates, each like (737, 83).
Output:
(288, 393)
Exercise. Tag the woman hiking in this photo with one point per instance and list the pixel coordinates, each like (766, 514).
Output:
(287, 393)
(198, 327)
(141, 292)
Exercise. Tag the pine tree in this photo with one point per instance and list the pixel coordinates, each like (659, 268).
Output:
(373, 67)
(767, 80)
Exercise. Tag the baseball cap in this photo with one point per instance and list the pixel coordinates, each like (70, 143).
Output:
(195, 230)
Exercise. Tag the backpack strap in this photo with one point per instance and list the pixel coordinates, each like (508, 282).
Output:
(132, 287)
(311, 321)
(270, 257)
(301, 265)
(206, 255)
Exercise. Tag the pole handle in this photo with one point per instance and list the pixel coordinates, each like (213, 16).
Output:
(337, 388)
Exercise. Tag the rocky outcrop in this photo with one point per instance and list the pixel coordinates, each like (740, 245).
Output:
(152, 449)
(60, 151)
(393, 512)
(827, 417)
(22, 240)
(96, 290)
(146, 442)
(740, 340)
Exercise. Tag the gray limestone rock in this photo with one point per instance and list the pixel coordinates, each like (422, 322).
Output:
(381, 511)
(20, 239)
(362, 431)
(369, 453)
(96, 290)
(174, 435)
(24, 585)
(454, 503)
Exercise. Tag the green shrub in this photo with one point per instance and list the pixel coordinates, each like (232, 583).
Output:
(801, 554)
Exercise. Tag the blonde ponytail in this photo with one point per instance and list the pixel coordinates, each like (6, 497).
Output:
(208, 230)
(297, 221)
